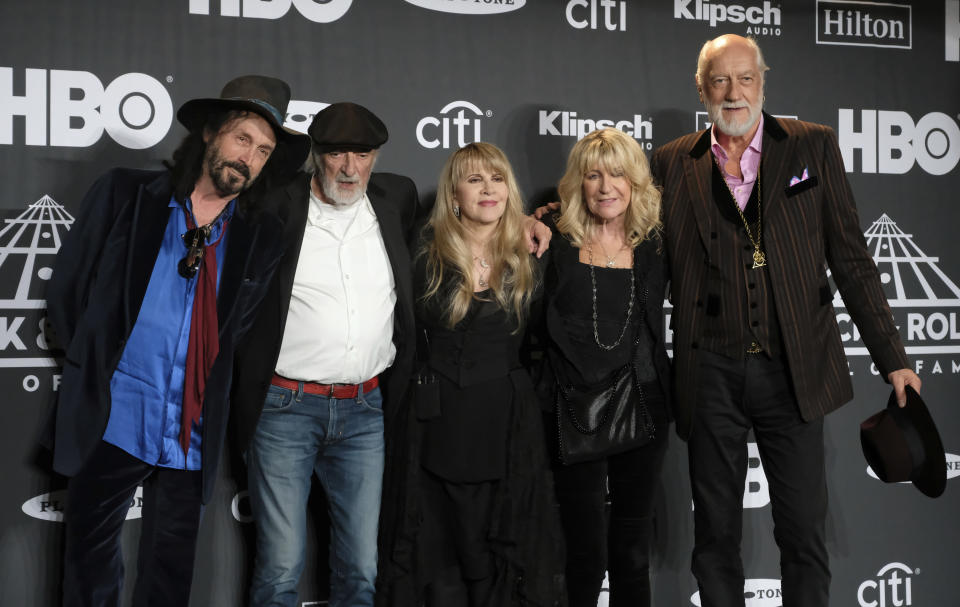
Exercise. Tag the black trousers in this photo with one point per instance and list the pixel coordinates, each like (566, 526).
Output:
(732, 397)
(98, 498)
(621, 547)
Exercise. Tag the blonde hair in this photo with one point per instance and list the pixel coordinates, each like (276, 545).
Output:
(614, 151)
(447, 250)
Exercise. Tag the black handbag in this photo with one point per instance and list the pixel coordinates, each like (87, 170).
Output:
(603, 420)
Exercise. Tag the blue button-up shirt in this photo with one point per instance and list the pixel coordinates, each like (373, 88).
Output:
(147, 387)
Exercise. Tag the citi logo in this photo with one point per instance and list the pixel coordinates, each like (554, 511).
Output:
(757, 592)
(50, 506)
(593, 14)
(318, 11)
(891, 142)
(951, 30)
(858, 23)
(893, 587)
(470, 7)
(718, 12)
(461, 119)
(300, 114)
(953, 468)
(66, 108)
(559, 123)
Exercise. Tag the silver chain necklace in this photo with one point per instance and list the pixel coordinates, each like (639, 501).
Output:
(593, 283)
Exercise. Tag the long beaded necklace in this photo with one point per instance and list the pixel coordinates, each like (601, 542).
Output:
(593, 284)
(759, 258)
(484, 268)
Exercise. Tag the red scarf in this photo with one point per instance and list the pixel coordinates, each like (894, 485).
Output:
(204, 344)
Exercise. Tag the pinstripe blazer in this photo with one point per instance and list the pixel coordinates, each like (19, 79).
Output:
(807, 228)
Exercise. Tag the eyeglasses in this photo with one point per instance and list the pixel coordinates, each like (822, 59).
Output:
(195, 240)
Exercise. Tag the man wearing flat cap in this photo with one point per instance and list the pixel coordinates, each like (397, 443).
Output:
(154, 286)
(328, 359)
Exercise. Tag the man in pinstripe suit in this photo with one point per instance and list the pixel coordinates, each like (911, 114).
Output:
(756, 209)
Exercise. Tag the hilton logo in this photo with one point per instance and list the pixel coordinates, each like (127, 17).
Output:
(858, 23)
(300, 114)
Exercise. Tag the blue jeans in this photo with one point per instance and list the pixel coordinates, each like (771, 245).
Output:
(341, 440)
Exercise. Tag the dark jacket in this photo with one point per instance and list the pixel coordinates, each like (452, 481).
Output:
(395, 203)
(807, 229)
(98, 285)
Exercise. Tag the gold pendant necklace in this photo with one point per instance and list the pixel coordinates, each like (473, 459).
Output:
(759, 259)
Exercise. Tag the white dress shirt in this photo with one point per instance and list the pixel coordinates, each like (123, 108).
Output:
(340, 322)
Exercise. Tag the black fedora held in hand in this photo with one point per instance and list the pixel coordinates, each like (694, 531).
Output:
(902, 444)
(266, 96)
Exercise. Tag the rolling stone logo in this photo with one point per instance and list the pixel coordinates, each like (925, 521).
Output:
(757, 592)
(470, 7)
(300, 114)
(953, 468)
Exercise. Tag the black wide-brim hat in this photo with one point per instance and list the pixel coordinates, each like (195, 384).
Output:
(266, 96)
(902, 444)
(345, 126)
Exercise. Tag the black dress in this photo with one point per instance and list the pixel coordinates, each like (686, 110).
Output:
(468, 484)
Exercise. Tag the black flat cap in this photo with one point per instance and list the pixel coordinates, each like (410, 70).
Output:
(345, 127)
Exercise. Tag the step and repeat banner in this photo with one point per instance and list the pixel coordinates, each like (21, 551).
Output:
(85, 86)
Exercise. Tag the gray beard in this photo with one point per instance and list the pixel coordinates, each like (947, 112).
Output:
(715, 112)
(332, 194)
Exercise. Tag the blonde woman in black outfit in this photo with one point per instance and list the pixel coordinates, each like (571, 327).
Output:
(469, 517)
(604, 292)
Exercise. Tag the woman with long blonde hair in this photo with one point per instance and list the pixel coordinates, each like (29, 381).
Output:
(478, 526)
(604, 291)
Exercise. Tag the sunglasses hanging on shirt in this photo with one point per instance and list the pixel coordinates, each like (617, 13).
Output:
(195, 239)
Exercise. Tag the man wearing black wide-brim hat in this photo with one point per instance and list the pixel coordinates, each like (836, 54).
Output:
(155, 284)
(326, 363)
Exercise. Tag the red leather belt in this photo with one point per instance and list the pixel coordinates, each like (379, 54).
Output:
(329, 390)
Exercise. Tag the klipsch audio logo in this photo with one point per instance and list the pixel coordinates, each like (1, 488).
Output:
(28, 247)
(893, 586)
(50, 506)
(858, 23)
(73, 108)
(892, 142)
(925, 302)
(951, 30)
(757, 592)
(470, 7)
(318, 11)
(560, 123)
(761, 19)
(458, 124)
(300, 114)
(610, 15)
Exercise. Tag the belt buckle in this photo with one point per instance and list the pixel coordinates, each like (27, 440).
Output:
(754, 348)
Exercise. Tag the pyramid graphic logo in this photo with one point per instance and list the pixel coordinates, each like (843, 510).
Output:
(923, 299)
(28, 247)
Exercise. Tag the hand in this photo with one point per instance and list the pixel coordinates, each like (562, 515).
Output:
(541, 211)
(538, 236)
(901, 378)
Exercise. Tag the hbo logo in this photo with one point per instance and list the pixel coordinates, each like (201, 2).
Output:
(890, 141)
(318, 11)
(134, 109)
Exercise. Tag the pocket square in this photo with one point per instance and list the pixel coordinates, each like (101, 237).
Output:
(795, 180)
(801, 185)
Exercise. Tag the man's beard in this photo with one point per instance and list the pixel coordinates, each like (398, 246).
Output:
(338, 197)
(225, 182)
(727, 127)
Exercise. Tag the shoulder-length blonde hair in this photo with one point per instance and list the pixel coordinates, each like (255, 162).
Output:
(614, 151)
(448, 255)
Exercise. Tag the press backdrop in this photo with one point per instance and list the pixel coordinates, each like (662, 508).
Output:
(85, 86)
